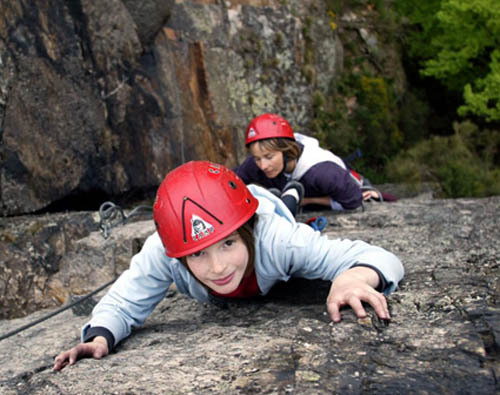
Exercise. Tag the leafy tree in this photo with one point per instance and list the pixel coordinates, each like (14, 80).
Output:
(462, 164)
(458, 42)
(486, 99)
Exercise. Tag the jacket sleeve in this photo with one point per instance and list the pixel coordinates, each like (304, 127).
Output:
(135, 293)
(296, 250)
(329, 179)
(247, 170)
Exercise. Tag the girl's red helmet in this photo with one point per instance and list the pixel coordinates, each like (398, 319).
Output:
(268, 126)
(198, 204)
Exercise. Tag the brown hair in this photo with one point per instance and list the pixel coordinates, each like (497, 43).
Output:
(246, 233)
(289, 148)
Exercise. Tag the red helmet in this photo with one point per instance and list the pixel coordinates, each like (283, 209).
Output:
(268, 126)
(198, 204)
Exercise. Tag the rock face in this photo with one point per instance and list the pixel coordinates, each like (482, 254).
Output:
(443, 338)
(102, 98)
(44, 258)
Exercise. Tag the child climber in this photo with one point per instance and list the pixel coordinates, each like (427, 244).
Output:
(219, 239)
(298, 170)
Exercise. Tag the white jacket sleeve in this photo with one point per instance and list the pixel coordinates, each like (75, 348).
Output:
(135, 293)
(296, 250)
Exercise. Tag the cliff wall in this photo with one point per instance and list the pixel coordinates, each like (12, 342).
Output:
(99, 99)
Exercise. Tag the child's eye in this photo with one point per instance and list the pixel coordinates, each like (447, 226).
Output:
(196, 254)
(229, 242)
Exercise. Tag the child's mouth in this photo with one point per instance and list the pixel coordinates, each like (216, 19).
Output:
(223, 281)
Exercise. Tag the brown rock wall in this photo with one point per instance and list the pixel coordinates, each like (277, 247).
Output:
(100, 99)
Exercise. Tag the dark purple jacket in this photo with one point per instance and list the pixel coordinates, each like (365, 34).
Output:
(322, 179)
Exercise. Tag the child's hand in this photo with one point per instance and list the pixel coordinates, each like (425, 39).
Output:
(97, 349)
(353, 287)
(371, 194)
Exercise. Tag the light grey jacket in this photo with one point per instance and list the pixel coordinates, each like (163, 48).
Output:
(283, 249)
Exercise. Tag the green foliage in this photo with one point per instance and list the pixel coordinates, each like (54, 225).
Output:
(462, 164)
(457, 179)
(414, 114)
(360, 116)
(420, 17)
(379, 6)
(332, 127)
(375, 110)
(449, 40)
(458, 43)
(485, 100)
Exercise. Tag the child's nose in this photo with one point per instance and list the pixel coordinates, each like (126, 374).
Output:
(217, 265)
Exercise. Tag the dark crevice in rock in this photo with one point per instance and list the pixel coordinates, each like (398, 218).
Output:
(79, 21)
(22, 380)
(92, 200)
(89, 201)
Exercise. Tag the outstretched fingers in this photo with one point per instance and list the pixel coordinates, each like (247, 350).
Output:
(62, 360)
(335, 304)
(334, 310)
(93, 349)
(379, 304)
(355, 301)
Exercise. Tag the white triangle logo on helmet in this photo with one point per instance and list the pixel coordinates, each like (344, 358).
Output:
(251, 133)
(200, 228)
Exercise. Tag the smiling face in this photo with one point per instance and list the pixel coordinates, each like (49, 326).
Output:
(222, 265)
(269, 161)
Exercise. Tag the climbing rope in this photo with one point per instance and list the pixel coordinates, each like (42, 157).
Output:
(60, 310)
(112, 215)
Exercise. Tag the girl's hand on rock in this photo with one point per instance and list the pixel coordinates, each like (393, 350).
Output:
(97, 349)
(353, 287)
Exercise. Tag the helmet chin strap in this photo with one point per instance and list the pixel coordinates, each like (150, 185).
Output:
(285, 163)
